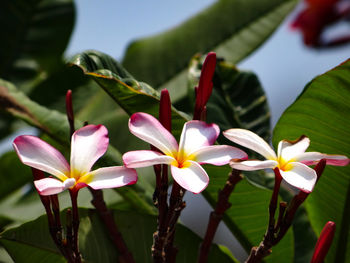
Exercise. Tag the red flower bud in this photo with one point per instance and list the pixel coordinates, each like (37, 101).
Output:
(324, 242)
(165, 109)
(205, 85)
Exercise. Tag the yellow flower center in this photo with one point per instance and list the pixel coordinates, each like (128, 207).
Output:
(285, 165)
(182, 160)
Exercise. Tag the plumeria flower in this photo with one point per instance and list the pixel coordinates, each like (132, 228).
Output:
(88, 145)
(195, 148)
(291, 159)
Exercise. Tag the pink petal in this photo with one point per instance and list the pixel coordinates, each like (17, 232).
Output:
(111, 177)
(300, 176)
(38, 154)
(251, 141)
(193, 178)
(197, 134)
(149, 129)
(310, 158)
(88, 145)
(51, 186)
(289, 149)
(137, 159)
(253, 165)
(218, 154)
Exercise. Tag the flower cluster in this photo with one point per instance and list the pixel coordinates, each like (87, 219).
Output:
(195, 148)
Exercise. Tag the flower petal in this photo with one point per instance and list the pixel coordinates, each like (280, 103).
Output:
(196, 134)
(253, 165)
(193, 178)
(51, 186)
(89, 143)
(300, 176)
(110, 177)
(149, 129)
(218, 154)
(36, 153)
(251, 141)
(137, 159)
(310, 158)
(289, 149)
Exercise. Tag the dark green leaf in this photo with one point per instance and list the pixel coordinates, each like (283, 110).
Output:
(13, 174)
(321, 112)
(232, 28)
(33, 240)
(35, 36)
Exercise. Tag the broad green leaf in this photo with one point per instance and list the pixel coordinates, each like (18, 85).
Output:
(54, 124)
(247, 218)
(232, 28)
(321, 112)
(33, 239)
(35, 36)
(131, 95)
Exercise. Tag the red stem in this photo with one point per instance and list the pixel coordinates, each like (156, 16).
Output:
(75, 222)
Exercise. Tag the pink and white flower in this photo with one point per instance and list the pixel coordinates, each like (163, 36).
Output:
(291, 158)
(185, 159)
(87, 146)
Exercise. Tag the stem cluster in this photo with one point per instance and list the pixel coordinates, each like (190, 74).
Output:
(276, 230)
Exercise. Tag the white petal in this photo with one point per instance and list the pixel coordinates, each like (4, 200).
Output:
(89, 143)
(149, 129)
(38, 154)
(196, 134)
(288, 150)
(253, 165)
(49, 186)
(300, 176)
(251, 141)
(218, 154)
(137, 159)
(193, 178)
(111, 177)
(310, 158)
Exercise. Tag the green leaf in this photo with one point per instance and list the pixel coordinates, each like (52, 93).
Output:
(131, 95)
(35, 36)
(32, 240)
(321, 113)
(232, 28)
(54, 124)
(247, 218)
